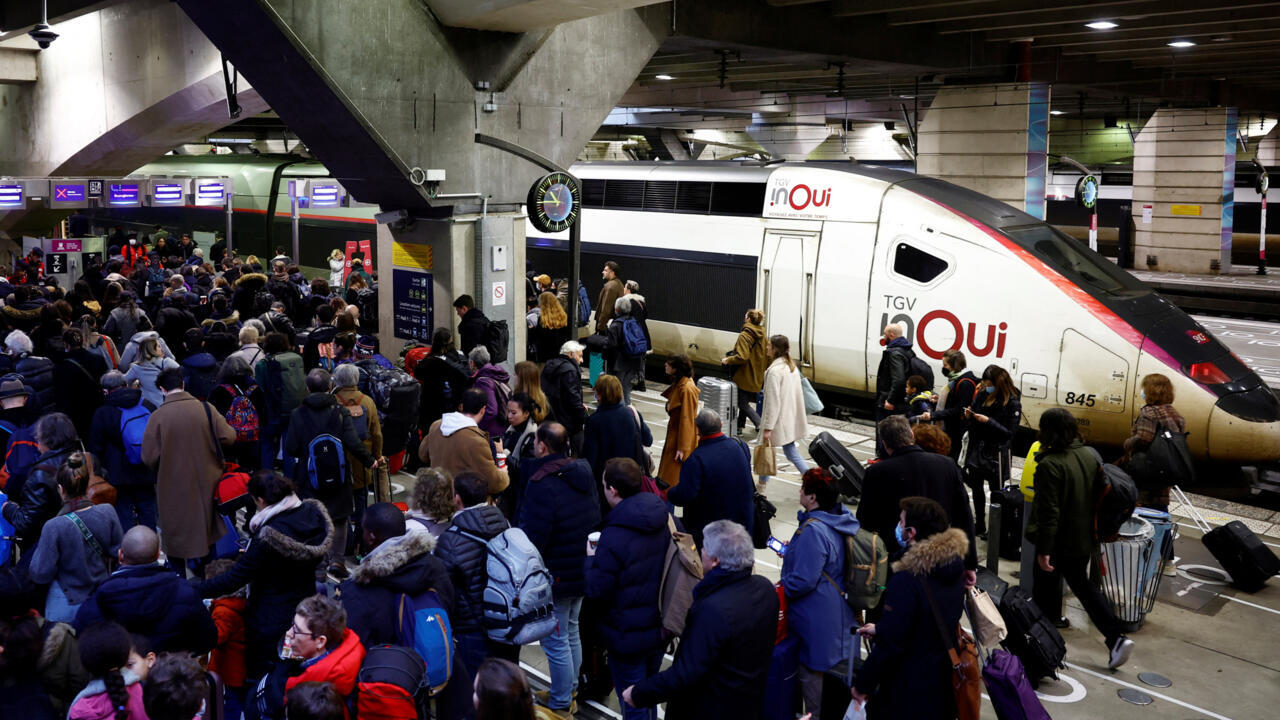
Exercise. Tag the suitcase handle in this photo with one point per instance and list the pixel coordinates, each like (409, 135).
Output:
(1201, 524)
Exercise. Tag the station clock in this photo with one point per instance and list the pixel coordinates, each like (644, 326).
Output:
(554, 202)
(1087, 192)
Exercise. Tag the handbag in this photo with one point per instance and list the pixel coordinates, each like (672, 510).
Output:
(984, 617)
(764, 461)
(812, 403)
(100, 491)
(966, 678)
(642, 455)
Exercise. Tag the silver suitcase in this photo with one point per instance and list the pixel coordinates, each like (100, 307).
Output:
(722, 397)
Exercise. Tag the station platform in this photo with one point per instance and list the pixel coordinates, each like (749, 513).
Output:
(1240, 292)
(1214, 642)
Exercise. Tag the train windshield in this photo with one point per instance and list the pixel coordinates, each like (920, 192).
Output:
(1077, 263)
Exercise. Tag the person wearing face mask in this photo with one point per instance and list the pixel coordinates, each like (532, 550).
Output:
(134, 251)
(816, 610)
(990, 420)
(961, 385)
(908, 673)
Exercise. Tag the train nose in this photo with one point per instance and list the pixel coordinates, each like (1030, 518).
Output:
(1245, 426)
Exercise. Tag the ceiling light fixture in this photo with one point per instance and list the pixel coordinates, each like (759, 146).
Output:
(1221, 39)
(1057, 112)
(663, 76)
(1101, 25)
(1181, 44)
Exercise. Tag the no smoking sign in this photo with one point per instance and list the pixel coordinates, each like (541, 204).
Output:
(500, 293)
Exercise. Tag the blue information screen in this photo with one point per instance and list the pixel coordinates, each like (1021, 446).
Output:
(123, 194)
(70, 193)
(11, 196)
(167, 194)
(412, 298)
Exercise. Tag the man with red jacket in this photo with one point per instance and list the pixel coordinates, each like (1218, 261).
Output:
(321, 648)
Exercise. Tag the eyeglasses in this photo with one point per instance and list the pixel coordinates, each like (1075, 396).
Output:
(294, 630)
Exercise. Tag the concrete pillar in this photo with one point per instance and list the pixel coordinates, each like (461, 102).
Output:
(989, 138)
(1184, 171)
(1269, 147)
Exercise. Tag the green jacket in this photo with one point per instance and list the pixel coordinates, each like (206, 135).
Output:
(1061, 520)
(751, 358)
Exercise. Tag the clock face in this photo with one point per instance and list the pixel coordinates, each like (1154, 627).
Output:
(553, 202)
(1087, 192)
(1263, 183)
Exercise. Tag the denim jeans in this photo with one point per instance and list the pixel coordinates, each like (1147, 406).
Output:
(564, 653)
(628, 672)
(56, 607)
(136, 505)
(793, 454)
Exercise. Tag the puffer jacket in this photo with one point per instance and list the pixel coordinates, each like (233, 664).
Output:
(339, 667)
(464, 559)
(562, 384)
(558, 511)
(489, 378)
(626, 572)
(279, 567)
(40, 499)
(401, 565)
(38, 373)
(107, 444)
(251, 298)
(153, 601)
(1060, 523)
(122, 324)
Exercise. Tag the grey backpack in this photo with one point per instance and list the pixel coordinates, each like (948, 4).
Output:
(518, 606)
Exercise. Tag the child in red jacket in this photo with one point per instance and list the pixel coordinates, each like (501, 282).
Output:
(227, 659)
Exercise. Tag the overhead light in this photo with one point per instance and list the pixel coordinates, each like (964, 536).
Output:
(1181, 44)
(663, 76)
(1101, 25)
(907, 97)
(1221, 39)
(1057, 112)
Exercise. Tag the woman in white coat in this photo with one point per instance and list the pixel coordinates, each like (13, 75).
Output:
(337, 266)
(783, 422)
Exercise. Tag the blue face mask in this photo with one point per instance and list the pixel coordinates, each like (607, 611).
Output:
(990, 389)
(900, 535)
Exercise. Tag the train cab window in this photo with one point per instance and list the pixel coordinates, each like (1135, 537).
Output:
(913, 263)
(1076, 262)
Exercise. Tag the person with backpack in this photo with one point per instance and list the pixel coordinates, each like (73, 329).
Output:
(961, 385)
(814, 573)
(75, 381)
(320, 435)
(464, 558)
(250, 351)
(115, 438)
(322, 649)
(276, 319)
(17, 433)
(908, 673)
(36, 371)
(558, 511)
(625, 347)
(40, 499)
(443, 374)
(722, 664)
(494, 380)
(239, 398)
(184, 443)
(991, 421)
(364, 417)
(199, 367)
(892, 374)
(1061, 526)
(562, 384)
(283, 381)
(472, 324)
(624, 574)
(1158, 413)
(251, 297)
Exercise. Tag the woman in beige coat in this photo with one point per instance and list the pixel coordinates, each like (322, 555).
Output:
(783, 422)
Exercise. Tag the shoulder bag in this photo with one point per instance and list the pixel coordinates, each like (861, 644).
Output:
(966, 679)
(89, 539)
(642, 455)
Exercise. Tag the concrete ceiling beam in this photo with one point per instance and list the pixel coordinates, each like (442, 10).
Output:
(516, 16)
(18, 67)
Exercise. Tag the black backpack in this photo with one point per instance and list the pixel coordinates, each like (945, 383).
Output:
(1116, 498)
(917, 366)
(1166, 462)
(496, 339)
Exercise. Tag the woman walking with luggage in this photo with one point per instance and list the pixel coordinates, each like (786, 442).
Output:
(682, 410)
(1157, 413)
(783, 422)
(991, 421)
(749, 358)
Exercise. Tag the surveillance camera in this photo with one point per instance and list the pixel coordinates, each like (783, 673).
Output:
(43, 35)
(390, 217)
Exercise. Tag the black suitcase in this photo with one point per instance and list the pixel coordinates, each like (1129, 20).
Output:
(837, 460)
(1032, 637)
(1249, 562)
(1010, 501)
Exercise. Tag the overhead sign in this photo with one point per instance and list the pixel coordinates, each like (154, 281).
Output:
(124, 195)
(168, 193)
(95, 188)
(12, 197)
(55, 263)
(412, 305)
(325, 194)
(69, 193)
(211, 192)
(67, 246)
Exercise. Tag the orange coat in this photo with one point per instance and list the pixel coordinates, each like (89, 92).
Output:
(682, 434)
(227, 659)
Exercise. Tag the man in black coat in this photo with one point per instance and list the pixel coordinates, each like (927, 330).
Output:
(909, 471)
(321, 414)
(624, 574)
(148, 598)
(891, 376)
(471, 324)
(722, 665)
(558, 511)
(135, 483)
(41, 498)
(464, 559)
(562, 384)
(961, 386)
(715, 481)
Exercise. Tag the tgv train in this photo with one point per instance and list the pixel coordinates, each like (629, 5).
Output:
(833, 253)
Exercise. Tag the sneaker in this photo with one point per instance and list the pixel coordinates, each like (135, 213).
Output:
(543, 698)
(553, 714)
(1121, 649)
(339, 571)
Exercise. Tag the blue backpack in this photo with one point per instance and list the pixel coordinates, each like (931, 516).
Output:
(6, 536)
(633, 340)
(21, 453)
(155, 282)
(584, 305)
(133, 425)
(326, 464)
(422, 623)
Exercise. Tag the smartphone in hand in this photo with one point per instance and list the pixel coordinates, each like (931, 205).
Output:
(777, 546)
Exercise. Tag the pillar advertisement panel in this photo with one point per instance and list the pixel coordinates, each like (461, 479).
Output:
(1037, 148)
(1228, 189)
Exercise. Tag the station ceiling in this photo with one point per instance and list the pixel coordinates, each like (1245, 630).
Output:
(1104, 57)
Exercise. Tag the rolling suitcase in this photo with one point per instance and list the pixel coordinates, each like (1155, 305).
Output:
(721, 396)
(1032, 637)
(1010, 501)
(782, 688)
(1249, 562)
(836, 459)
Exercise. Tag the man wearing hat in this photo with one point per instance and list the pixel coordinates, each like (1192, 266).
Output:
(17, 432)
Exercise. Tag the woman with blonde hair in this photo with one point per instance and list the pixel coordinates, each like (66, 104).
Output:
(529, 381)
(784, 421)
(150, 361)
(431, 505)
(551, 330)
(337, 267)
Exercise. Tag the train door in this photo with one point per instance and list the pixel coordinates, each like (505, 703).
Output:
(840, 304)
(1091, 379)
(787, 276)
